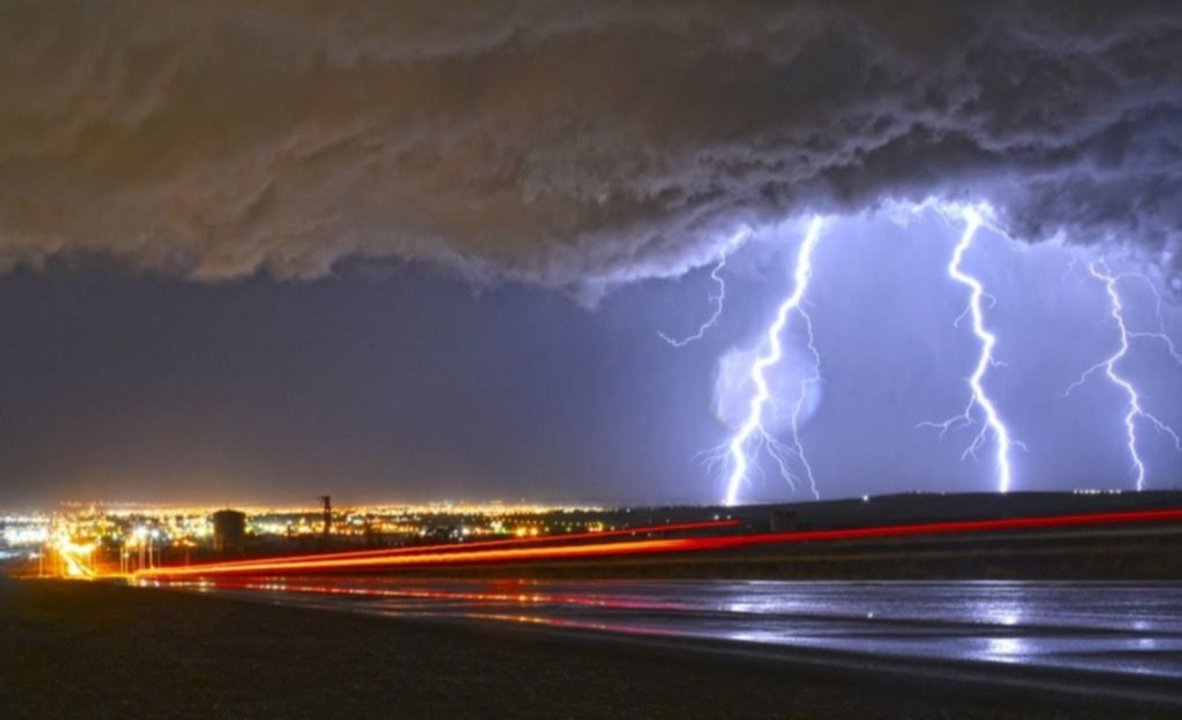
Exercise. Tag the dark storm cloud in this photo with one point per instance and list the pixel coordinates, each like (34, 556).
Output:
(567, 146)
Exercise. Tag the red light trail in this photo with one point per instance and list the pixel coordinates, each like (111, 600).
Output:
(458, 547)
(464, 555)
(522, 596)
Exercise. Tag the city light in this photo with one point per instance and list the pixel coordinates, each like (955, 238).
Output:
(632, 548)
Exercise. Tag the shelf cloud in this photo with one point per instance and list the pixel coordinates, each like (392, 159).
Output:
(573, 147)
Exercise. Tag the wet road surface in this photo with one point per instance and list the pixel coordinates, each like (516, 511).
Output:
(1105, 629)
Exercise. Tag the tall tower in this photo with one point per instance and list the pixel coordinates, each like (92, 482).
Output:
(327, 500)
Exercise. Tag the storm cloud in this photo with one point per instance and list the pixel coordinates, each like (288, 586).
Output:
(569, 145)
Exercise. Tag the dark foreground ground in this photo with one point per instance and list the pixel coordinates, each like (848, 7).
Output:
(91, 650)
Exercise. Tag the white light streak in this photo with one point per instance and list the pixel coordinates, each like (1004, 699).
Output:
(1160, 335)
(1134, 411)
(717, 299)
(771, 355)
(978, 397)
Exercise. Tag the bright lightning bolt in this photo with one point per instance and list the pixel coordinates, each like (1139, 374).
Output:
(773, 352)
(1134, 409)
(978, 397)
(1160, 335)
(805, 383)
(719, 298)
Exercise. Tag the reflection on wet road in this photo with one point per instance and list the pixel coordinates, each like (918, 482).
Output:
(1122, 628)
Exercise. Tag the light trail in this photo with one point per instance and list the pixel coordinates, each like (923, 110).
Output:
(978, 397)
(718, 299)
(1134, 410)
(437, 558)
(629, 548)
(444, 548)
(771, 355)
(524, 595)
(76, 559)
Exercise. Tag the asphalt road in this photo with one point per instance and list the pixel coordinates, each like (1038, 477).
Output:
(1100, 634)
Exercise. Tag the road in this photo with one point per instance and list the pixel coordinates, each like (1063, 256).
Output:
(1104, 634)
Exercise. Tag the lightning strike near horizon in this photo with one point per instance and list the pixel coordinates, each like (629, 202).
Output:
(978, 397)
(1134, 409)
(719, 298)
(770, 355)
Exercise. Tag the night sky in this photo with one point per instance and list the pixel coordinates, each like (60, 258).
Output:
(426, 253)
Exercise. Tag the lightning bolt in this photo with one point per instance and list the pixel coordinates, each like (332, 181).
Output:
(978, 397)
(1160, 335)
(1134, 411)
(718, 298)
(773, 351)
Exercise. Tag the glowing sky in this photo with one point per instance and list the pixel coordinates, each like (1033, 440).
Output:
(406, 384)
(415, 251)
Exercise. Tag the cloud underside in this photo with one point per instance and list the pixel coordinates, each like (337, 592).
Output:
(568, 147)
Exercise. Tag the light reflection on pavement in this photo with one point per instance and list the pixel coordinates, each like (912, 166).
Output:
(1121, 628)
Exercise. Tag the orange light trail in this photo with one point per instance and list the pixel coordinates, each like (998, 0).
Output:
(625, 547)
(674, 545)
(76, 559)
(455, 547)
(521, 596)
